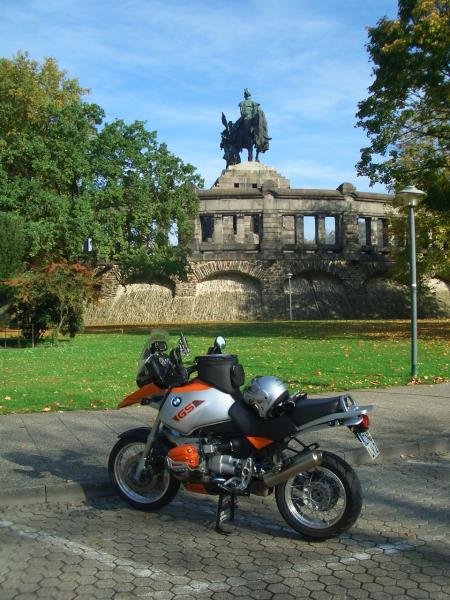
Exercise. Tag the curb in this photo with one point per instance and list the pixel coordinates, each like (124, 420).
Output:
(83, 491)
(58, 492)
(359, 456)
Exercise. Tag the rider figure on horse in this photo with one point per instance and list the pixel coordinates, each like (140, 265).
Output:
(249, 131)
(248, 107)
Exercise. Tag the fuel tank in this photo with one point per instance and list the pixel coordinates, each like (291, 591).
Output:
(195, 405)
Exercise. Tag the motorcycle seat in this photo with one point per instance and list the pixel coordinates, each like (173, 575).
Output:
(309, 409)
(251, 424)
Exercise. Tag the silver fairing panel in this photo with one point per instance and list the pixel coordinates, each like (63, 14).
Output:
(186, 411)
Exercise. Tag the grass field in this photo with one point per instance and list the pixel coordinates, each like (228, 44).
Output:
(95, 370)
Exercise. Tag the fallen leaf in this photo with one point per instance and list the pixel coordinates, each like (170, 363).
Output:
(7, 398)
(46, 409)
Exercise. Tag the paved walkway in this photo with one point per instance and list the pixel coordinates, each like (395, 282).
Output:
(63, 456)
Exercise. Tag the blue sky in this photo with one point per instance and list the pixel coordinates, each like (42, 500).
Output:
(178, 64)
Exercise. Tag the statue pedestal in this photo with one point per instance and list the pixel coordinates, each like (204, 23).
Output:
(248, 175)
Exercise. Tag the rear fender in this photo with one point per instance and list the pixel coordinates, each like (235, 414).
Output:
(349, 415)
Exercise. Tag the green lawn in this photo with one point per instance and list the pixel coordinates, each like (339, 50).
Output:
(95, 370)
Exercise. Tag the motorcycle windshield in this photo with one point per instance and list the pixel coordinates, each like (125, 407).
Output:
(156, 335)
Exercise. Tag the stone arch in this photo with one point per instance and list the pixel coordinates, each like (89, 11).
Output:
(335, 268)
(135, 304)
(228, 296)
(204, 270)
(317, 295)
(384, 298)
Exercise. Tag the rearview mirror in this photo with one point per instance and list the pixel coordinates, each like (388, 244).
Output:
(219, 342)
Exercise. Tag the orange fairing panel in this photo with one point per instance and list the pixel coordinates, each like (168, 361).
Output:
(195, 386)
(145, 392)
(259, 442)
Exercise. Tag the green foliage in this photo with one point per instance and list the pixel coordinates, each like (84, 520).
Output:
(45, 135)
(432, 242)
(407, 119)
(141, 193)
(407, 112)
(52, 296)
(12, 244)
(12, 249)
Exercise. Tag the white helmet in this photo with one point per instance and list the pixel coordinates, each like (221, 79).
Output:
(264, 394)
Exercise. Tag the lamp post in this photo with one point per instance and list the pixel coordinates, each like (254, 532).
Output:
(410, 197)
(289, 276)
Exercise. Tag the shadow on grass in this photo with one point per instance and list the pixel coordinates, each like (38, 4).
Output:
(364, 330)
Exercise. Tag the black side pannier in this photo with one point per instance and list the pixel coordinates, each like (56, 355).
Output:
(222, 371)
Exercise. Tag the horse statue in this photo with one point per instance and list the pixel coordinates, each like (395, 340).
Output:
(248, 132)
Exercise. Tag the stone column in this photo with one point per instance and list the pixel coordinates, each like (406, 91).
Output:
(374, 233)
(321, 236)
(218, 231)
(299, 230)
(349, 236)
(240, 233)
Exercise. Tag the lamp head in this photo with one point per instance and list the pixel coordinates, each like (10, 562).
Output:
(410, 196)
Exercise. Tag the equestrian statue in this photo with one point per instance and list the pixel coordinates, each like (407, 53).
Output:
(249, 131)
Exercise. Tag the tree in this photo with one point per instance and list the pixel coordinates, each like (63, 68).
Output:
(52, 296)
(142, 195)
(12, 252)
(65, 178)
(46, 131)
(407, 117)
(71, 178)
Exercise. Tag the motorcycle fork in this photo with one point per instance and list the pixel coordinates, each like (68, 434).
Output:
(148, 446)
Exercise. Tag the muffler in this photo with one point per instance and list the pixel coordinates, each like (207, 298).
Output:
(302, 462)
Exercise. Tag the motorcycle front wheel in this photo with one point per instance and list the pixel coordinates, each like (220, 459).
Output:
(323, 502)
(155, 488)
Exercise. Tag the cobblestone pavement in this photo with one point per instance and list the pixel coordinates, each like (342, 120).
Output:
(399, 547)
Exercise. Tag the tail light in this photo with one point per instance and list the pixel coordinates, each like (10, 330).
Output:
(363, 426)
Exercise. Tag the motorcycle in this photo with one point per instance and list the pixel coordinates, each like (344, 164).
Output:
(214, 438)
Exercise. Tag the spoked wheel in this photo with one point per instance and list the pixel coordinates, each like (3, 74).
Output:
(155, 487)
(323, 502)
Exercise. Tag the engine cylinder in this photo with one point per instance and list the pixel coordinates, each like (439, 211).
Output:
(182, 457)
(224, 464)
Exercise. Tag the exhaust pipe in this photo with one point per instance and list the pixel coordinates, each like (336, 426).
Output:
(301, 463)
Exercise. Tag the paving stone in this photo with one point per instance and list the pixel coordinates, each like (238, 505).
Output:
(91, 552)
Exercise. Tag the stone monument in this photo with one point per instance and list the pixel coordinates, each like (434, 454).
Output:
(248, 132)
(262, 247)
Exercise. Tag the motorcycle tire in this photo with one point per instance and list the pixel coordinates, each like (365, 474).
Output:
(323, 502)
(154, 490)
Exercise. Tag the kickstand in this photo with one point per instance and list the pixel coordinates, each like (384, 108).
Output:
(226, 507)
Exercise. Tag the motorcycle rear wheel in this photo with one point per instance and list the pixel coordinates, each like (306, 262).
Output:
(323, 502)
(155, 489)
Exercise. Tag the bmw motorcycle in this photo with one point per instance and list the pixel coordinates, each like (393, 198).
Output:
(215, 438)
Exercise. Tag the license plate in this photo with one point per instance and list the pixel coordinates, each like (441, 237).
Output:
(369, 444)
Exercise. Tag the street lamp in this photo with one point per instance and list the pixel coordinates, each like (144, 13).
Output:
(289, 276)
(410, 197)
